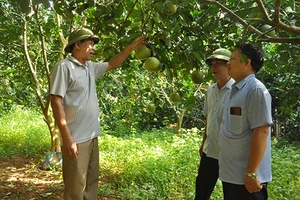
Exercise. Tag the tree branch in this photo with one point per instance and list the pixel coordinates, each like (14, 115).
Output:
(45, 59)
(128, 14)
(281, 40)
(131, 9)
(277, 11)
(277, 22)
(265, 20)
(31, 67)
(263, 10)
(63, 41)
(238, 18)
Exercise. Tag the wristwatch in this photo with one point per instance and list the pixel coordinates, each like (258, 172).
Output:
(251, 175)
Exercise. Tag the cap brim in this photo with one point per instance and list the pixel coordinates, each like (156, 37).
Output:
(220, 57)
(69, 50)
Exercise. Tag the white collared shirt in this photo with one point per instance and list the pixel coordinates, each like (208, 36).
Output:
(212, 105)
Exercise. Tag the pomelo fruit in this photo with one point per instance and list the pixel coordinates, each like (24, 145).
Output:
(152, 64)
(150, 108)
(142, 53)
(197, 77)
(170, 8)
(175, 97)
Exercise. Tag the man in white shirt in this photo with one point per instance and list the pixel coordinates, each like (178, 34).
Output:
(208, 171)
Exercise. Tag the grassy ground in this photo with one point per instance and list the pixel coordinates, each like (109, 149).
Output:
(152, 165)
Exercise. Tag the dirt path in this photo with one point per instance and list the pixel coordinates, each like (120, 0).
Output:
(22, 179)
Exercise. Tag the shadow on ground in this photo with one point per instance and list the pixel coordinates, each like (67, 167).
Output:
(23, 179)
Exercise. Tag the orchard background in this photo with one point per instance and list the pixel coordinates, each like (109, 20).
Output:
(132, 99)
(181, 35)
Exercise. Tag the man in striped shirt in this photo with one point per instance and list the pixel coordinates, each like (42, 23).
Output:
(75, 108)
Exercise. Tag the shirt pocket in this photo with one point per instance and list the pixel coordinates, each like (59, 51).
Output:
(235, 124)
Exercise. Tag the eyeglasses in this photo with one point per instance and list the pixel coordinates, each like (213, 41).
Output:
(217, 63)
(242, 57)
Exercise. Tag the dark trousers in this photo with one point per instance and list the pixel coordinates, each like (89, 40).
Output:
(239, 192)
(208, 174)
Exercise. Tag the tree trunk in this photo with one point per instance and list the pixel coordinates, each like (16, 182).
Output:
(33, 68)
(54, 132)
(179, 121)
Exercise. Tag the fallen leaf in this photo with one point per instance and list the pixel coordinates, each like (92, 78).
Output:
(45, 194)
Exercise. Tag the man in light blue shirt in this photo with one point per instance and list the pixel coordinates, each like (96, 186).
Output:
(245, 136)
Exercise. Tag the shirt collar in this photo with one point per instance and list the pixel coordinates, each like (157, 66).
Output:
(75, 61)
(242, 83)
(227, 85)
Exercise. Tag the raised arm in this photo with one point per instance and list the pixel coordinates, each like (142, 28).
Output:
(119, 59)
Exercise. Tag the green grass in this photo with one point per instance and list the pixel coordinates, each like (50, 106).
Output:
(151, 165)
(286, 171)
(23, 133)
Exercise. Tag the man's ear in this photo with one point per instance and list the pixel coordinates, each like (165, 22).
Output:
(248, 63)
(77, 45)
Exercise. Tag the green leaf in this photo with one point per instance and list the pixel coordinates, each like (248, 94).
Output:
(45, 194)
(157, 18)
(7, 71)
(291, 4)
(197, 55)
(243, 57)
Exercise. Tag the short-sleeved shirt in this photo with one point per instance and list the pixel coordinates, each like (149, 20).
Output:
(75, 83)
(247, 106)
(212, 105)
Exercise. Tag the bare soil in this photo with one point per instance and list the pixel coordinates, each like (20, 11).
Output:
(24, 179)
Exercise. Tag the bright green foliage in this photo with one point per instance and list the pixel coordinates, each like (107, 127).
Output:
(283, 80)
(286, 173)
(23, 134)
(125, 93)
(154, 165)
(159, 161)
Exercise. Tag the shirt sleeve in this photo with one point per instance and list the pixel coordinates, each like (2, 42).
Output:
(99, 68)
(259, 108)
(59, 80)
